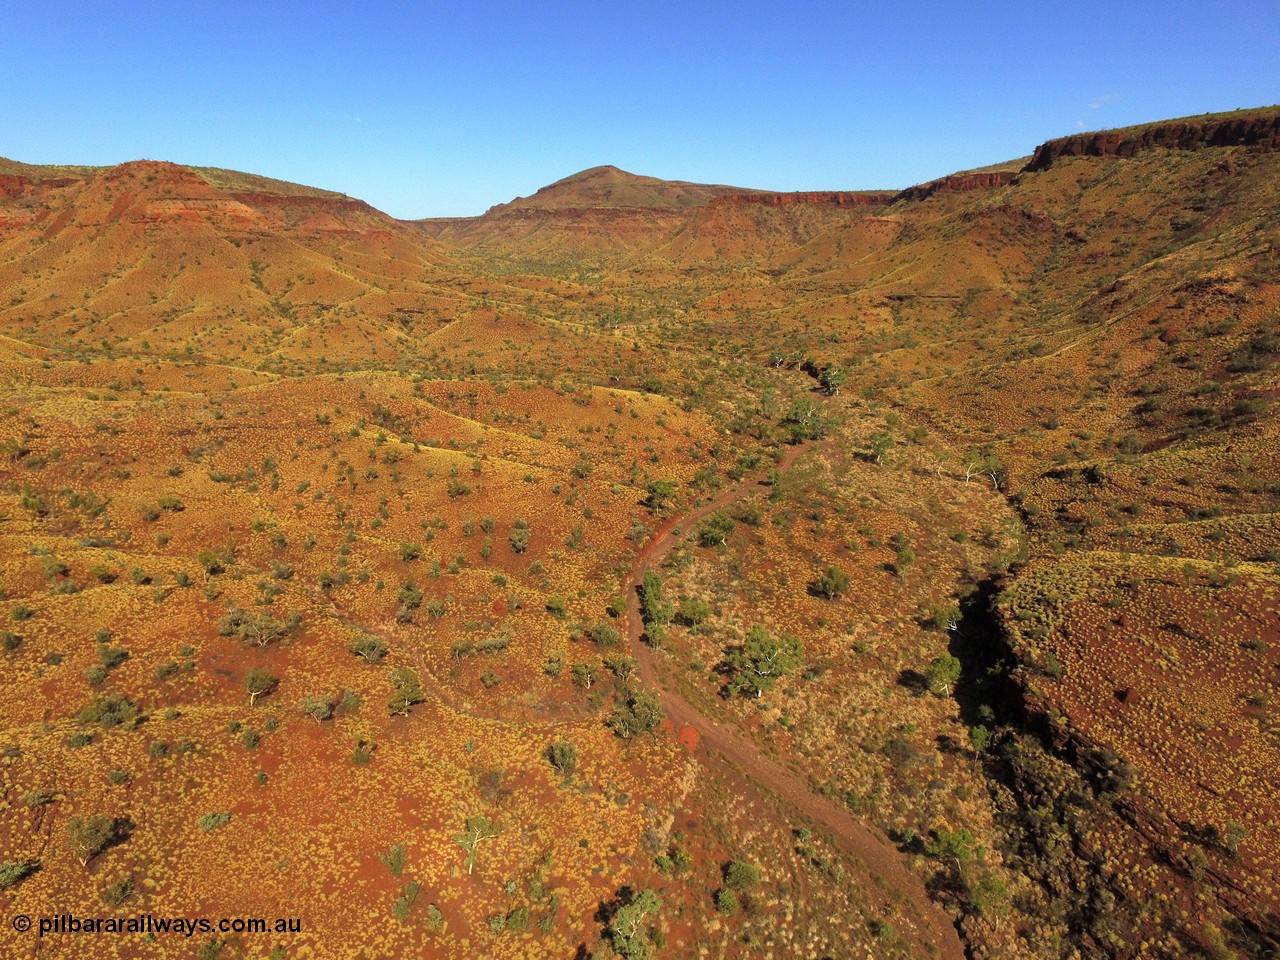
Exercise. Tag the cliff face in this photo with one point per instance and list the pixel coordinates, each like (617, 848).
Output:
(14, 186)
(957, 183)
(822, 198)
(1252, 131)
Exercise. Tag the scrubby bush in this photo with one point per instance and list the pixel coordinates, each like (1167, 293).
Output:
(655, 608)
(694, 611)
(318, 709)
(258, 682)
(258, 630)
(638, 713)
(212, 821)
(941, 673)
(715, 530)
(369, 648)
(406, 691)
(761, 660)
(563, 756)
(114, 894)
(519, 537)
(726, 902)
(658, 493)
(113, 710)
(603, 634)
(740, 875)
(831, 584)
(89, 836)
(11, 871)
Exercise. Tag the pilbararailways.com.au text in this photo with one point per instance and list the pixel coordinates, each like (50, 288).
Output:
(70, 924)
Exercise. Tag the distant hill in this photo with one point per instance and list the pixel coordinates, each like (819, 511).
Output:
(609, 187)
(602, 210)
(232, 181)
(216, 260)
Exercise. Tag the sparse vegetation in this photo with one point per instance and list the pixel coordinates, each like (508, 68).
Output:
(952, 513)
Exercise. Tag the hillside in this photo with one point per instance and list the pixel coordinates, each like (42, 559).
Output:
(155, 253)
(651, 566)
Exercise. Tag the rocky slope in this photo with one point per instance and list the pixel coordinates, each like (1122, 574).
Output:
(959, 183)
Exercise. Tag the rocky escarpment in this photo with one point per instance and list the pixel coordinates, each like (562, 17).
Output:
(16, 186)
(819, 198)
(959, 183)
(1257, 130)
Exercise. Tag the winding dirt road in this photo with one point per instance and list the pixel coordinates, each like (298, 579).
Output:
(932, 925)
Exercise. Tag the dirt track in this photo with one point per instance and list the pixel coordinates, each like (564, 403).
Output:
(932, 926)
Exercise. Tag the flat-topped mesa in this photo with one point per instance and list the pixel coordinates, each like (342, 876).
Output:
(959, 182)
(818, 198)
(1252, 130)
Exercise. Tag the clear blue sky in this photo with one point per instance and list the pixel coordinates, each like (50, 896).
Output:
(426, 108)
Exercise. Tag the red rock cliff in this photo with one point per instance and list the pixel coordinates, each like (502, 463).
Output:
(823, 198)
(13, 186)
(958, 182)
(1253, 131)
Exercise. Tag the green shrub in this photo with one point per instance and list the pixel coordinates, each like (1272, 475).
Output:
(11, 871)
(831, 584)
(369, 648)
(726, 902)
(563, 756)
(740, 875)
(638, 713)
(406, 691)
(117, 893)
(212, 821)
(112, 710)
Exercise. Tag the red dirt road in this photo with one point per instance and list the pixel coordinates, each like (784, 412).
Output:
(932, 926)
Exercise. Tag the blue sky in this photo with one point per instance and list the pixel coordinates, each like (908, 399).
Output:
(447, 108)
